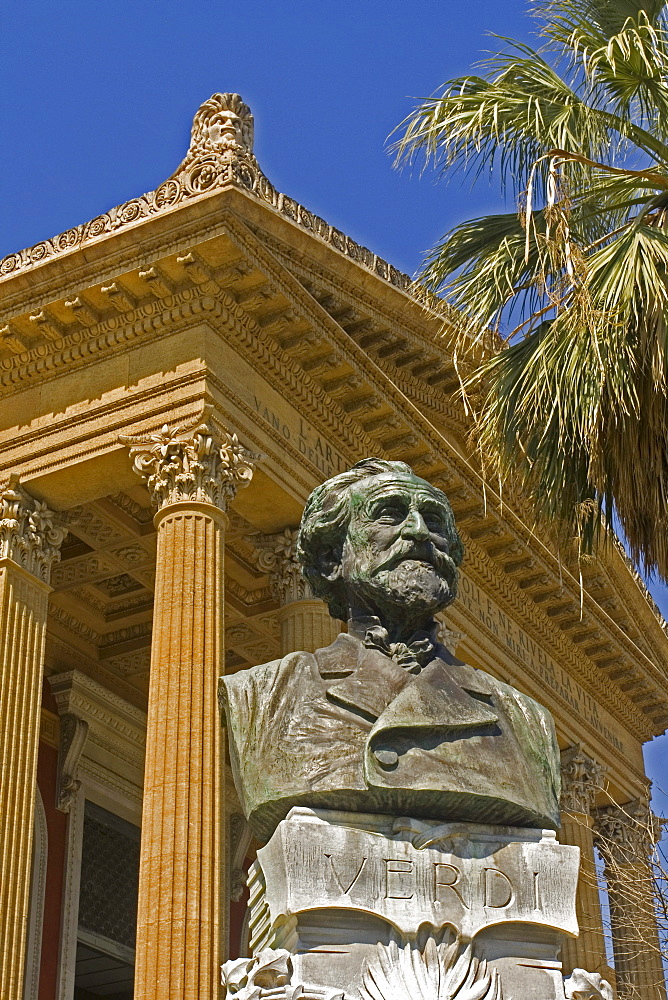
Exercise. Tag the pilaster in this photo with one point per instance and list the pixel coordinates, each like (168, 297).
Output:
(581, 779)
(305, 621)
(29, 545)
(192, 475)
(625, 837)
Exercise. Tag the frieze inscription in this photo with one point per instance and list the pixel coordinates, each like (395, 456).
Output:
(298, 432)
(525, 649)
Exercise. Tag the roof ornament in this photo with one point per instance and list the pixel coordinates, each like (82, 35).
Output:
(221, 147)
(220, 156)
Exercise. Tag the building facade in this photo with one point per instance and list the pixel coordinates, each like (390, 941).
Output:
(175, 377)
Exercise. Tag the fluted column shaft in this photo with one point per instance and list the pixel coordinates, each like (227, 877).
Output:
(587, 951)
(28, 545)
(180, 918)
(182, 909)
(581, 779)
(624, 838)
(306, 624)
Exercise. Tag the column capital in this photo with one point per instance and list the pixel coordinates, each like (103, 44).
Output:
(277, 555)
(197, 464)
(581, 778)
(626, 834)
(29, 532)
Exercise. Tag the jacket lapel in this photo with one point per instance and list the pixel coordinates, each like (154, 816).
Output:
(445, 696)
(372, 681)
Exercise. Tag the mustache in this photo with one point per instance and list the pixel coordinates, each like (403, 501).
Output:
(421, 552)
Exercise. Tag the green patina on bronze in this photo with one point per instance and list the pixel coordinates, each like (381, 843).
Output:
(386, 719)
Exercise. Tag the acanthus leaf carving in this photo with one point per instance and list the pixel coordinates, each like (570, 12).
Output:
(429, 970)
(30, 534)
(581, 779)
(73, 735)
(276, 554)
(625, 835)
(196, 464)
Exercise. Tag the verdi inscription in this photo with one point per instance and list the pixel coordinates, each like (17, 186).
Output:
(471, 881)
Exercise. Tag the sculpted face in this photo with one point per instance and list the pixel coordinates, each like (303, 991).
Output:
(395, 561)
(225, 128)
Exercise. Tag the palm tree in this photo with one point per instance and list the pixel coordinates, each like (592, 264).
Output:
(572, 404)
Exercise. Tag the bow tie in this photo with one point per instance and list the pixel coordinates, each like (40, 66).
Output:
(412, 655)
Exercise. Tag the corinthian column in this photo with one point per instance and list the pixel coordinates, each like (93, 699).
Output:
(29, 545)
(305, 621)
(581, 779)
(192, 475)
(625, 837)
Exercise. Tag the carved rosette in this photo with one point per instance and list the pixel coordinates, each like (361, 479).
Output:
(581, 779)
(626, 834)
(277, 556)
(191, 465)
(29, 532)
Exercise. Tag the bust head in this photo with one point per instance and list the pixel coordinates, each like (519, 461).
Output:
(378, 540)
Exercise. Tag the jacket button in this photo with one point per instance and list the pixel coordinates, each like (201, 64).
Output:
(386, 758)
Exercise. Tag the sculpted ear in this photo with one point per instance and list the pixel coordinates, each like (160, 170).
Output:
(329, 563)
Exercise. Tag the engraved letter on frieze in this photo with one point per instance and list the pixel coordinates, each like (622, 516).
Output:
(448, 877)
(345, 889)
(399, 879)
(497, 889)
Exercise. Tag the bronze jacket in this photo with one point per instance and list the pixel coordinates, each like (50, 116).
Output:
(348, 728)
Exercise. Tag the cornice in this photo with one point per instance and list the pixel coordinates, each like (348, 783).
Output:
(356, 297)
(79, 694)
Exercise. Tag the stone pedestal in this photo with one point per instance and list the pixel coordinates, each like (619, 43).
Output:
(375, 906)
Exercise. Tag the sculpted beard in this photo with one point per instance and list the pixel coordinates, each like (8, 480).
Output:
(425, 586)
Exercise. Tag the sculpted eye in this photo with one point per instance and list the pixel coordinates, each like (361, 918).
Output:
(390, 513)
(433, 520)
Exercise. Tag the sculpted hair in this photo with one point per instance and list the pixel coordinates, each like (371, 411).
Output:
(325, 522)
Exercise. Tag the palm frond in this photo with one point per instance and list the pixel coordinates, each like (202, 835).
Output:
(574, 408)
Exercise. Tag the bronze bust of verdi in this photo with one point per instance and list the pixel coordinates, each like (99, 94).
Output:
(386, 719)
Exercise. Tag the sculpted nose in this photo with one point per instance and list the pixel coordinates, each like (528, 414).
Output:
(414, 526)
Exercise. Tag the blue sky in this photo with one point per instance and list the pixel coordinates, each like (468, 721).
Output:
(99, 97)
